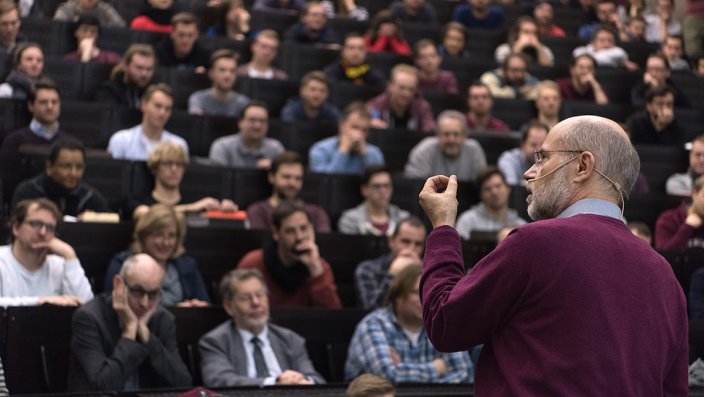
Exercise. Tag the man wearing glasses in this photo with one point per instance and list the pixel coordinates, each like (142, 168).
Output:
(248, 350)
(126, 340)
(38, 268)
(573, 293)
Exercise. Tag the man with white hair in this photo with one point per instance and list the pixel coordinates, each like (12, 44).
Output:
(449, 152)
(571, 293)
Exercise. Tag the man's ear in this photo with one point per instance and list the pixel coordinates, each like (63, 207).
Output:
(586, 166)
(117, 281)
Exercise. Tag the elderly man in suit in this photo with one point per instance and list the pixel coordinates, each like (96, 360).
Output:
(247, 350)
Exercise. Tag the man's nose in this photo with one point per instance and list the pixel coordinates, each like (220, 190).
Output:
(530, 173)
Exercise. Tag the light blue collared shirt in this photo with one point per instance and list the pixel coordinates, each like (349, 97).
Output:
(41, 131)
(592, 206)
(269, 357)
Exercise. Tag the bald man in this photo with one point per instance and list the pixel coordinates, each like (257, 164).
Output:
(572, 304)
(126, 340)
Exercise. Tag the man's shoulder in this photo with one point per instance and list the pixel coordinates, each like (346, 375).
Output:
(325, 143)
(220, 332)
(226, 140)
(252, 259)
(283, 333)
(382, 316)
(427, 144)
(123, 135)
(200, 95)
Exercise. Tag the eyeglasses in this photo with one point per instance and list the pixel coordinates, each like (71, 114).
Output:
(246, 298)
(139, 292)
(540, 155)
(38, 225)
(380, 186)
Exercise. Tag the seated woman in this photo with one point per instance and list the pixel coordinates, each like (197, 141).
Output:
(385, 35)
(455, 35)
(155, 16)
(604, 50)
(345, 9)
(27, 68)
(233, 21)
(160, 233)
(86, 31)
(524, 38)
(167, 162)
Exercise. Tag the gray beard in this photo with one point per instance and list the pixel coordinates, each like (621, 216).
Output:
(549, 201)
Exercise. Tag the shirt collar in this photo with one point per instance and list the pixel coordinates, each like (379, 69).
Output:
(592, 206)
(40, 129)
(247, 335)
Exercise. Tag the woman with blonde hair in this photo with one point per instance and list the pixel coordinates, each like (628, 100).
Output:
(160, 233)
(167, 162)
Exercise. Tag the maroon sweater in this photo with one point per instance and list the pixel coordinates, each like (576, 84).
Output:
(565, 307)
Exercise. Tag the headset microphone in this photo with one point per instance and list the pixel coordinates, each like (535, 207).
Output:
(561, 165)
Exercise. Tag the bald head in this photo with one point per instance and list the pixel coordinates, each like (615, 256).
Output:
(615, 157)
(141, 267)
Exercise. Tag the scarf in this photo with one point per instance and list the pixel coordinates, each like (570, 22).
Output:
(355, 72)
(289, 278)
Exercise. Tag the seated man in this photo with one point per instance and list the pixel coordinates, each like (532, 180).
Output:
(10, 21)
(36, 267)
(129, 78)
(605, 15)
(657, 124)
(264, 50)
(353, 66)
(312, 103)
(286, 177)
(682, 227)
(348, 152)
(372, 277)
(391, 341)
(479, 14)
(313, 27)
(250, 147)
(512, 80)
(492, 212)
(181, 48)
(479, 115)
(62, 182)
(44, 103)
(431, 78)
(220, 99)
(135, 143)
(126, 340)
(400, 105)
(375, 215)
(86, 31)
(294, 272)
(672, 49)
(548, 103)
(658, 73)
(515, 162)
(582, 84)
(450, 152)
(246, 349)
(682, 184)
(368, 385)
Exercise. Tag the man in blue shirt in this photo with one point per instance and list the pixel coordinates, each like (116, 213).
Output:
(348, 152)
(479, 14)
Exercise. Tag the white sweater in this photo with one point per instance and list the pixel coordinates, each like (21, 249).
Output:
(57, 276)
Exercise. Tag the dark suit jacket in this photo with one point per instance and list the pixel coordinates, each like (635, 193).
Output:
(102, 360)
(224, 360)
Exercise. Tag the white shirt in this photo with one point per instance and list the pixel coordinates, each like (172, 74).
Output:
(57, 276)
(132, 144)
(269, 357)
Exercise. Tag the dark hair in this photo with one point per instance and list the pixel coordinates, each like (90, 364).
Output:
(65, 144)
(372, 170)
(662, 57)
(44, 83)
(514, 31)
(478, 83)
(599, 2)
(658, 91)
(286, 157)
(421, 44)
(184, 18)
(574, 61)
(486, 173)
(253, 104)
(411, 220)
(315, 75)
(455, 26)
(19, 212)
(530, 125)
(353, 35)
(86, 19)
(286, 209)
(513, 55)
(381, 17)
(605, 28)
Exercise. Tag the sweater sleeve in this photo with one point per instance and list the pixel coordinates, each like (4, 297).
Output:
(75, 282)
(670, 233)
(322, 289)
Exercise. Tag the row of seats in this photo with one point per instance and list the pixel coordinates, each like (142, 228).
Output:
(36, 361)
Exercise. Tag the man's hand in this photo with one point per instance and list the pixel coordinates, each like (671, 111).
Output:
(438, 200)
(206, 203)
(86, 48)
(396, 359)
(60, 300)
(291, 377)
(142, 329)
(310, 257)
(128, 319)
(57, 247)
(662, 117)
(695, 217)
(263, 164)
(440, 365)
(228, 205)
